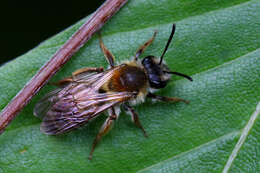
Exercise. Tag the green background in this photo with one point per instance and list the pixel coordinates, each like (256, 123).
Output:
(216, 42)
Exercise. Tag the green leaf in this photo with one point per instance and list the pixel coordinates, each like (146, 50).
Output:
(216, 42)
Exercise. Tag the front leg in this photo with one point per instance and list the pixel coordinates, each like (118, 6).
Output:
(166, 99)
(142, 48)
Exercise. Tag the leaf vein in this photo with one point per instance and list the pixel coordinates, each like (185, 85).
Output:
(242, 139)
(226, 136)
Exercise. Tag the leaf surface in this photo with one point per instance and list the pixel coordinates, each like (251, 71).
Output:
(216, 42)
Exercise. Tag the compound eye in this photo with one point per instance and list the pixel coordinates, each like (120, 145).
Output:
(157, 84)
(148, 60)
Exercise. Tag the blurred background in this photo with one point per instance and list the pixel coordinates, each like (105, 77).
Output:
(25, 24)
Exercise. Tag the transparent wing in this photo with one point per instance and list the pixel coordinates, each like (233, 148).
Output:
(67, 114)
(83, 84)
(45, 103)
(67, 108)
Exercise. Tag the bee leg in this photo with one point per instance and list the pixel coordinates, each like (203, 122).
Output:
(63, 82)
(109, 56)
(73, 78)
(87, 70)
(134, 117)
(144, 46)
(104, 129)
(166, 99)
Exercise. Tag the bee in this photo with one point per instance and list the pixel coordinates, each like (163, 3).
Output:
(91, 91)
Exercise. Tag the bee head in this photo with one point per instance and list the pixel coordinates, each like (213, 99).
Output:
(157, 71)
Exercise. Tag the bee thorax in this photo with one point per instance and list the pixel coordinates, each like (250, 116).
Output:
(128, 78)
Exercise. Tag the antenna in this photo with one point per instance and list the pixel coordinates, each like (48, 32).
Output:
(179, 74)
(168, 43)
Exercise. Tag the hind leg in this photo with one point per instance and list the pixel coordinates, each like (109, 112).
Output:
(104, 129)
(75, 74)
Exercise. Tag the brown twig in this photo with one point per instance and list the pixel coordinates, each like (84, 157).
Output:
(85, 32)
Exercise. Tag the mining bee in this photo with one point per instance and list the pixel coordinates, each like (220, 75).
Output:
(91, 91)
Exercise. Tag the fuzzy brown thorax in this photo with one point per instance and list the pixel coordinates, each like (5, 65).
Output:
(130, 78)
